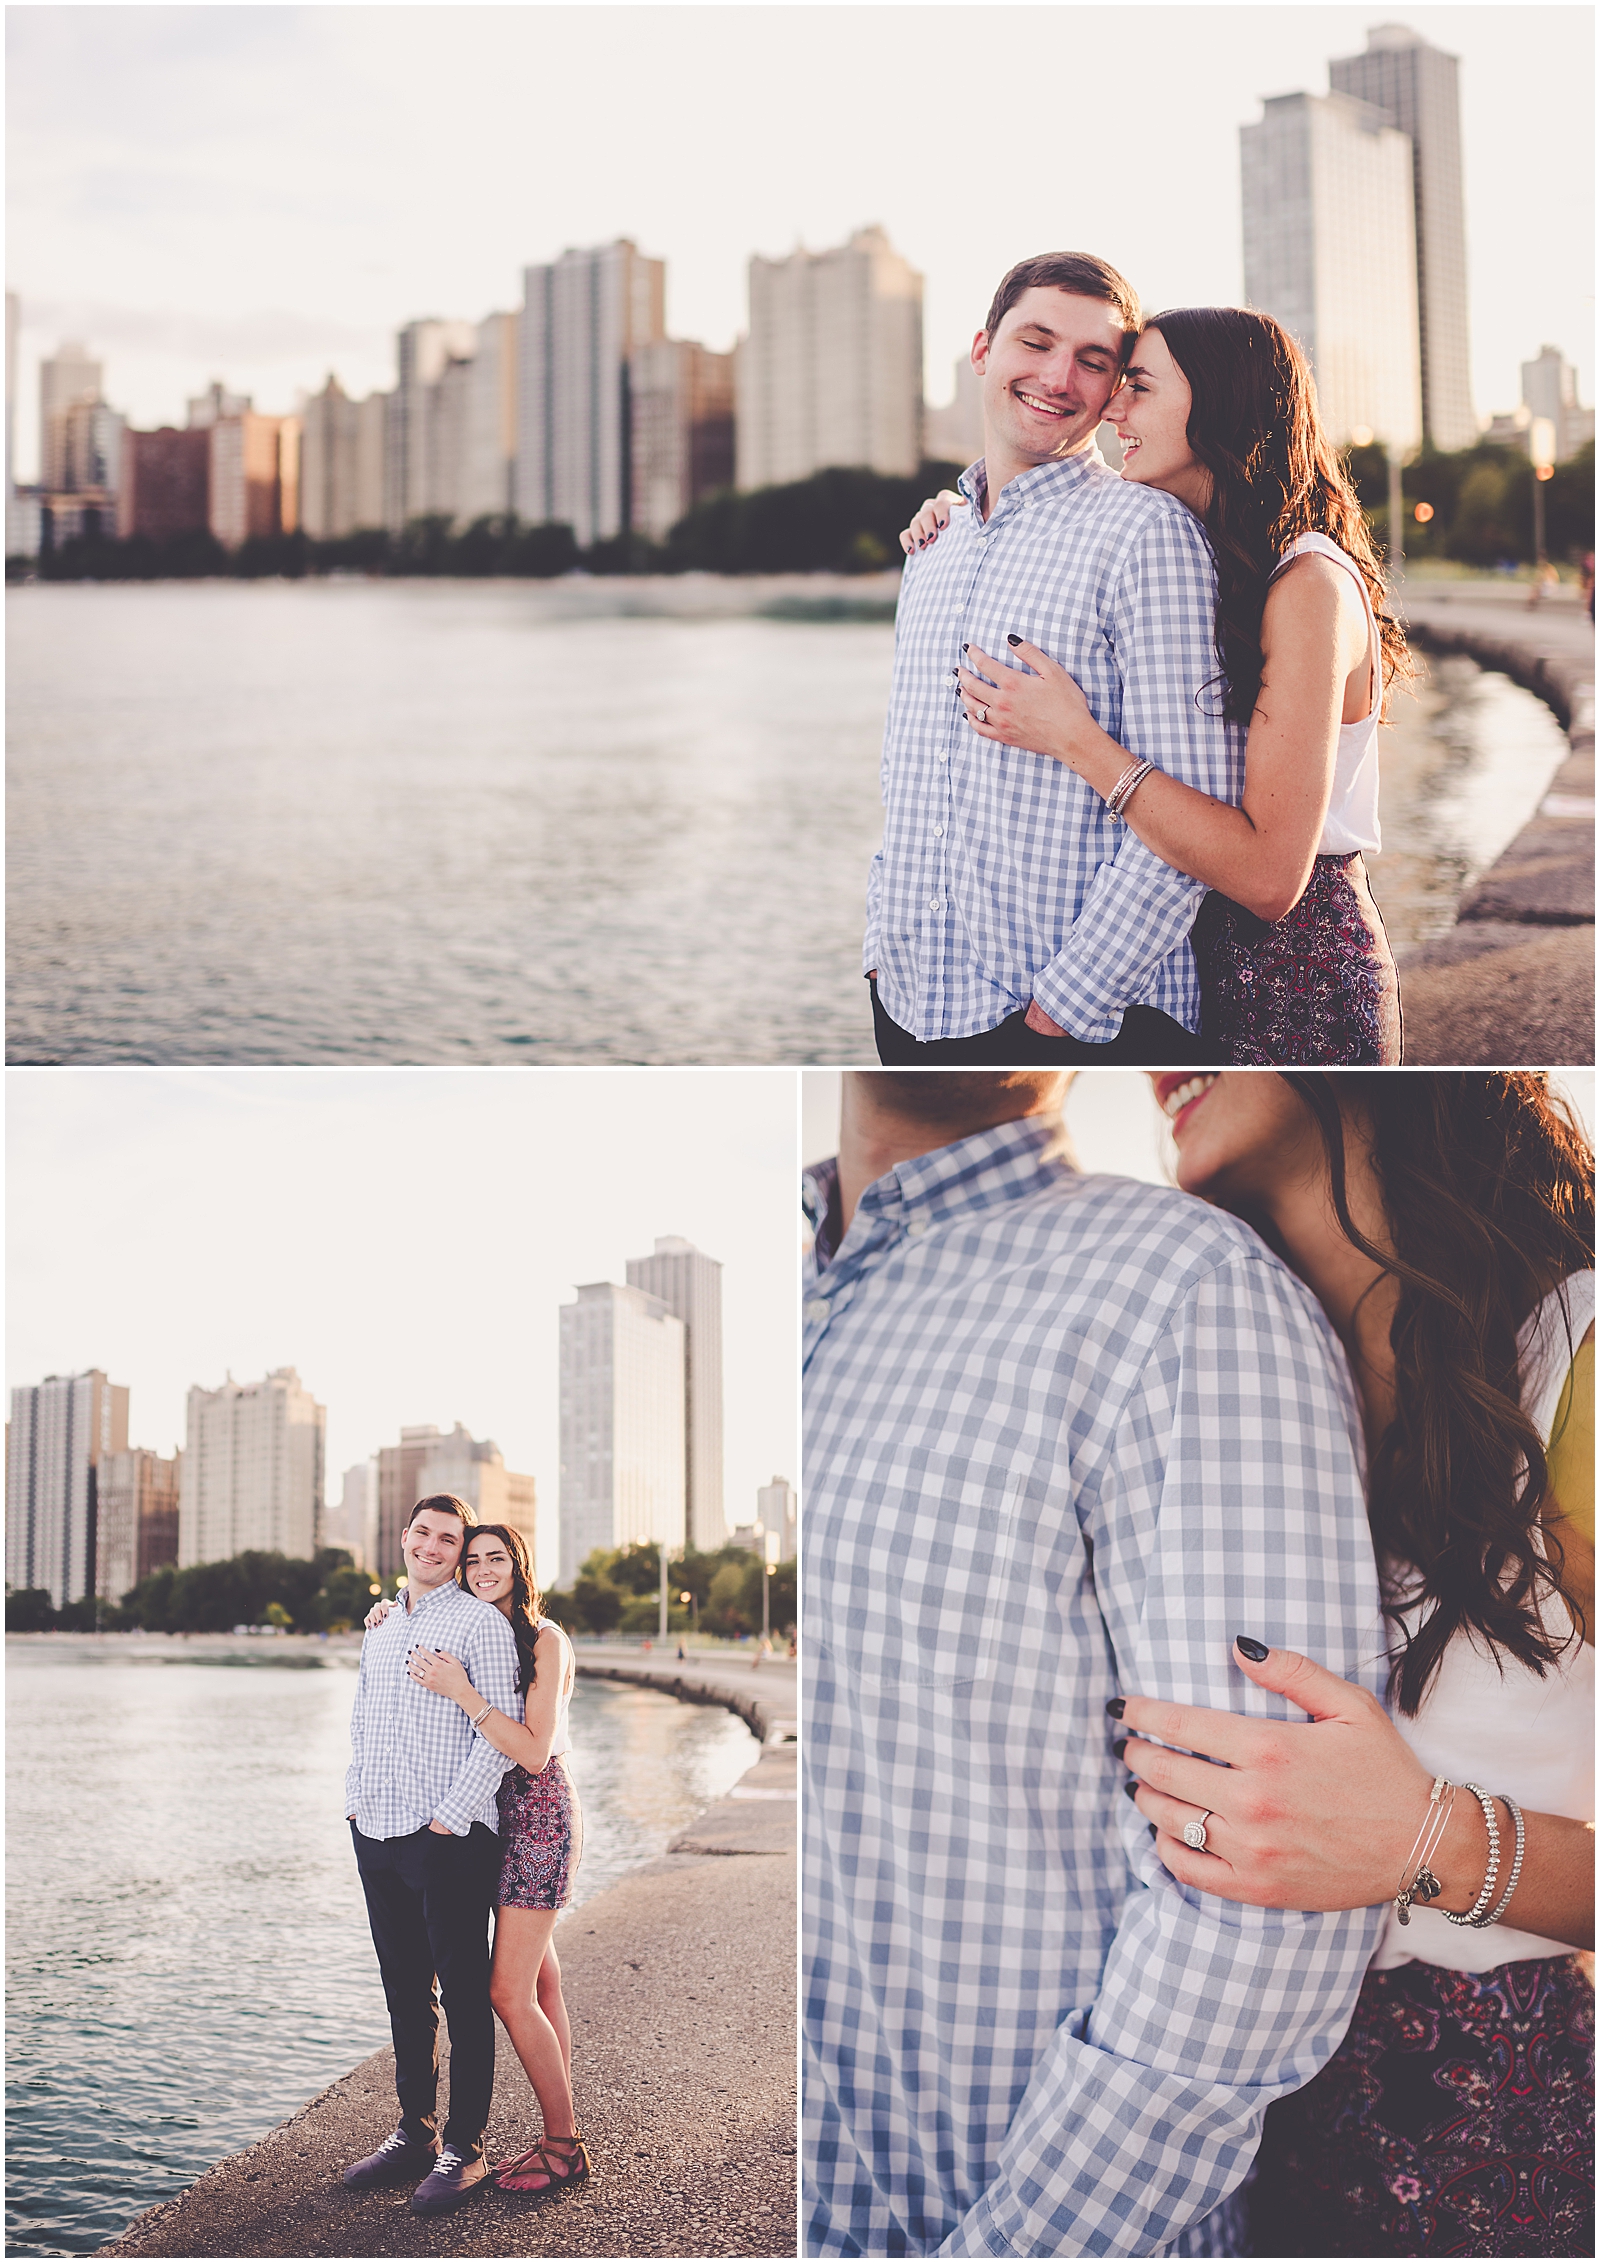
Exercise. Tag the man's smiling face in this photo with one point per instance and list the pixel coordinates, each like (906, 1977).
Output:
(1047, 372)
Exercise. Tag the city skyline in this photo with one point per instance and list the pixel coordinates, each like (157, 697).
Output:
(404, 1238)
(383, 247)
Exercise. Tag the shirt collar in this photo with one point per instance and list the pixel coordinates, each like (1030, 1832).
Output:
(1002, 1164)
(446, 1587)
(1045, 483)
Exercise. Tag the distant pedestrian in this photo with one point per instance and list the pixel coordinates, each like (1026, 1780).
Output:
(421, 1799)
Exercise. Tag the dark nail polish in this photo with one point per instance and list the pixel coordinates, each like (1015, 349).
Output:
(1255, 1651)
(1114, 1708)
(1013, 639)
(1119, 1748)
(966, 648)
(1132, 1787)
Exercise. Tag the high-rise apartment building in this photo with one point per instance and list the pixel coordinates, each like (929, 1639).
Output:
(165, 487)
(422, 444)
(1330, 250)
(66, 377)
(61, 1432)
(584, 316)
(254, 484)
(216, 402)
(474, 1470)
(347, 1523)
(252, 1474)
(138, 1519)
(489, 453)
(622, 1422)
(1550, 391)
(681, 398)
(776, 1514)
(399, 1488)
(831, 371)
(689, 1284)
(83, 450)
(1416, 88)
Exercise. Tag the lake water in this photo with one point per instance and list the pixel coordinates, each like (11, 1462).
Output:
(188, 1958)
(513, 822)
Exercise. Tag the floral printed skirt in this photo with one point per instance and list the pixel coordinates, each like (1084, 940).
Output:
(541, 1835)
(1315, 989)
(1456, 2118)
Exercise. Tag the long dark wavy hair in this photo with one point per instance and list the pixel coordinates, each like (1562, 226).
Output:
(1255, 426)
(1488, 1190)
(527, 1604)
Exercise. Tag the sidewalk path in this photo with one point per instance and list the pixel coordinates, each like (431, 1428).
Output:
(1512, 984)
(765, 1696)
(680, 1981)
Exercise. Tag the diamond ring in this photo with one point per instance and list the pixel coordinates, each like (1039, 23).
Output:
(1194, 1834)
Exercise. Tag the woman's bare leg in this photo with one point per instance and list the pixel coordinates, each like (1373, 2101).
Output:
(521, 1948)
(553, 2004)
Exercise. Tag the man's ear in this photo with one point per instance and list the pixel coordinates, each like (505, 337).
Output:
(980, 351)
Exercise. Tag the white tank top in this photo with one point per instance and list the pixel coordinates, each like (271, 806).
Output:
(569, 1674)
(1352, 819)
(1511, 1731)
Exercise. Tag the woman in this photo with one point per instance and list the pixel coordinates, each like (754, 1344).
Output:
(1218, 408)
(1445, 1222)
(541, 1831)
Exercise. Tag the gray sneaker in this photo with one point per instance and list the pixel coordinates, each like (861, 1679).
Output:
(398, 2159)
(453, 2180)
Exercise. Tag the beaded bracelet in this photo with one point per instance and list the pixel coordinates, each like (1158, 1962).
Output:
(1499, 1908)
(478, 1719)
(1127, 786)
(1474, 1916)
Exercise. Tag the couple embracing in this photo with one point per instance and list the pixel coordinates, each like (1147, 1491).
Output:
(1130, 767)
(459, 1800)
(1200, 1607)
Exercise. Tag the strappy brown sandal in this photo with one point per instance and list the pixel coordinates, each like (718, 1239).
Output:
(558, 2175)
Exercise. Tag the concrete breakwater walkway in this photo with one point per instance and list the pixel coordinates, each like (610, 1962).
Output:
(1512, 984)
(680, 1983)
(765, 1695)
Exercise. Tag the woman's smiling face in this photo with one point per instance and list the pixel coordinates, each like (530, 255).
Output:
(1150, 410)
(488, 1567)
(1241, 1134)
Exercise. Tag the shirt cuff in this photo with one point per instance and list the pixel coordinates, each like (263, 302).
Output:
(976, 2234)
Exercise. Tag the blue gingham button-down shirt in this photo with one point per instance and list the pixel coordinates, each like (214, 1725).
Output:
(1001, 876)
(415, 1757)
(1065, 1437)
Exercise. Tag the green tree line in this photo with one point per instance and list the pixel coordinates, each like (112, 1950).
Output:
(839, 521)
(618, 1591)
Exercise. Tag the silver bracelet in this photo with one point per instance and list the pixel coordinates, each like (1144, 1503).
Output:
(479, 1718)
(1474, 1916)
(1424, 1887)
(1499, 1908)
(1126, 786)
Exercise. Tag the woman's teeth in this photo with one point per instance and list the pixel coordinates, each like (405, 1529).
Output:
(1181, 1095)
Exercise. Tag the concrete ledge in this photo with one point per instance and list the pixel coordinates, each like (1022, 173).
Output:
(1529, 999)
(764, 1697)
(680, 1983)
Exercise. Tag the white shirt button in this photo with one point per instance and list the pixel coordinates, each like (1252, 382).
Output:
(818, 1309)
(943, 758)
(938, 832)
(917, 1226)
(935, 903)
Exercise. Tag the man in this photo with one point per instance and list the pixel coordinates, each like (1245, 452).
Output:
(1010, 918)
(1065, 1437)
(420, 1796)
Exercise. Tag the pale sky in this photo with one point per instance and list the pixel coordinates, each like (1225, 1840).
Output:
(264, 193)
(405, 1238)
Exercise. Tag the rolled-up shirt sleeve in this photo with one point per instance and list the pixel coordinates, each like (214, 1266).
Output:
(1231, 1503)
(491, 1661)
(352, 1775)
(1138, 909)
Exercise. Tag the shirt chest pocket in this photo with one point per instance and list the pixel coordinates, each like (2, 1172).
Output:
(929, 1586)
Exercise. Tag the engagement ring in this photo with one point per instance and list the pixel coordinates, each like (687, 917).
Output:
(1194, 1834)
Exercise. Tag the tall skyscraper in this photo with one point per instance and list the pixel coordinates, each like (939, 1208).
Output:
(831, 371)
(690, 1284)
(775, 1513)
(61, 1433)
(423, 352)
(348, 1524)
(138, 1520)
(255, 476)
(1330, 250)
(65, 377)
(252, 1473)
(584, 315)
(1415, 86)
(488, 470)
(622, 1422)
(474, 1470)
(1550, 390)
(682, 424)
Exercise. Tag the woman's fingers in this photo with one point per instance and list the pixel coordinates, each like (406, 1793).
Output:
(1304, 1683)
(1195, 1781)
(1223, 1736)
(1169, 1814)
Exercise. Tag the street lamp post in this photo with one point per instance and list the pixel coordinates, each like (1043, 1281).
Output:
(663, 1547)
(1542, 452)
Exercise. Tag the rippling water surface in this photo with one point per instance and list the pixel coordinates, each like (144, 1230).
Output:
(187, 1950)
(454, 822)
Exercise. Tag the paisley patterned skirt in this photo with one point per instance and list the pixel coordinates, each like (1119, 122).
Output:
(1315, 989)
(1456, 2118)
(541, 1835)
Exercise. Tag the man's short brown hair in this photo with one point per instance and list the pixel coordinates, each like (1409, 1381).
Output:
(446, 1505)
(1076, 271)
